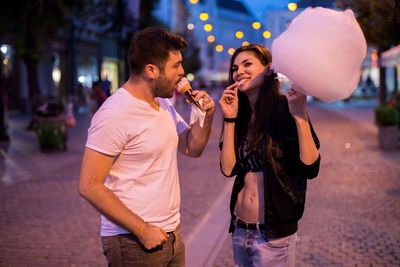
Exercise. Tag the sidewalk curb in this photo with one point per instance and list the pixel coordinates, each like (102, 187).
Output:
(361, 115)
(207, 239)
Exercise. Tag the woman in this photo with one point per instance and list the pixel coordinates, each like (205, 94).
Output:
(271, 147)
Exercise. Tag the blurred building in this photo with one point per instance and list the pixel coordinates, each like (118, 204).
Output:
(219, 27)
(174, 14)
(80, 55)
(216, 27)
(277, 17)
(391, 60)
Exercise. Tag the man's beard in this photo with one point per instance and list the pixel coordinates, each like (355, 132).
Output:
(160, 86)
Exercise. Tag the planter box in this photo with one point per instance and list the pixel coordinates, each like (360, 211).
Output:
(388, 137)
(51, 133)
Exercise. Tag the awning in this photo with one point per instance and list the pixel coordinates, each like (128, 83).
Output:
(391, 57)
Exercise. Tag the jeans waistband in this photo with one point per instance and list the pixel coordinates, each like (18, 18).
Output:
(245, 225)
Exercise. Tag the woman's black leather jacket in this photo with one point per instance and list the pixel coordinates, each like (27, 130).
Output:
(285, 177)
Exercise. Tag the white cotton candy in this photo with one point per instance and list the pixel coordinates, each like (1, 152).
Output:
(321, 51)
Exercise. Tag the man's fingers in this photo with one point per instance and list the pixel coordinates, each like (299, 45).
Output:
(164, 233)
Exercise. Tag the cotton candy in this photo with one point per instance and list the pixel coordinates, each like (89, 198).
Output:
(322, 51)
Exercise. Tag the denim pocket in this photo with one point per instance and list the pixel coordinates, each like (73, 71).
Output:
(282, 242)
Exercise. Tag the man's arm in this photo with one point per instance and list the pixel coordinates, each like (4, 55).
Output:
(193, 141)
(94, 170)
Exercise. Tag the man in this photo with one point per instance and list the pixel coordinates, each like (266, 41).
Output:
(129, 168)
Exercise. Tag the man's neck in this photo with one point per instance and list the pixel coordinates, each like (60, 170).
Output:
(141, 90)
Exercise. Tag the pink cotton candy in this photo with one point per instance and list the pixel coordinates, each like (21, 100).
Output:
(321, 51)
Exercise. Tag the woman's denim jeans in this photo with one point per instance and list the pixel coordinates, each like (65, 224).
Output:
(250, 248)
(125, 250)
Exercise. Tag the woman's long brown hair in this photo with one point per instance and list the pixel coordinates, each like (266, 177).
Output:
(267, 104)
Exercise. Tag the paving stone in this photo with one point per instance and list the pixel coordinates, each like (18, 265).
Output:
(352, 209)
(351, 218)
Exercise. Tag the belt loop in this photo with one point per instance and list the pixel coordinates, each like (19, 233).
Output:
(258, 226)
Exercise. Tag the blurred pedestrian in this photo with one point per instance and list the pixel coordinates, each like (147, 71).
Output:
(129, 169)
(394, 100)
(268, 142)
(106, 86)
(97, 96)
(80, 99)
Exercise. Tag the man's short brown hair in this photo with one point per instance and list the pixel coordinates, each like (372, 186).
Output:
(151, 46)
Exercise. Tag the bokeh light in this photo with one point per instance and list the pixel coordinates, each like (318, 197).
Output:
(292, 6)
(203, 16)
(239, 34)
(208, 27)
(219, 48)
(256, 25)
(56, 75)
(193, 2)
(190, 77)
(190, 26)
(245, 43)
(211, 38)
(267, 34)
(4, 49)
(231, 51)
(374, 58)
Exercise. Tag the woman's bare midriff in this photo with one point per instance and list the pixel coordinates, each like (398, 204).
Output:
(250, 202)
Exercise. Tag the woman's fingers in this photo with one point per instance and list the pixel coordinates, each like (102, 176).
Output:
(229, 94)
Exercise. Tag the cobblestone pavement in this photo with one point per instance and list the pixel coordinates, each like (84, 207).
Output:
(351, 217)
(43, 220)
(352, 213)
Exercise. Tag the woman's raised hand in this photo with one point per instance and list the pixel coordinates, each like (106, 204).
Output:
(229, 101)
(297, 102)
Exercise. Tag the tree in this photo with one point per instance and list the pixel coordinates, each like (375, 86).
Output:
(191, 55)
(147, 18)
(3, 100)
(33, 24)
(380, 22)
(129, 25)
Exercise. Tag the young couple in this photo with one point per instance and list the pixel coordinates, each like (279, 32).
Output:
(129, 168)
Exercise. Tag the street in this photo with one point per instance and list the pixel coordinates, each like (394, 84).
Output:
(351, 218)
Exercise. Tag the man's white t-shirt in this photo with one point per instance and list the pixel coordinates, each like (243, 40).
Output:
(144, 175)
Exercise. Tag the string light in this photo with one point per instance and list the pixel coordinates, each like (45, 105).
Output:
(292, 6)
(266, 34)
(256, 25)
(239, 34)
(190, 26)
(211, 38)
(203, 16)
(208, 27)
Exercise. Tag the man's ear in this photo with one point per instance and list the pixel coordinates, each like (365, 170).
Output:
(151, 71)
